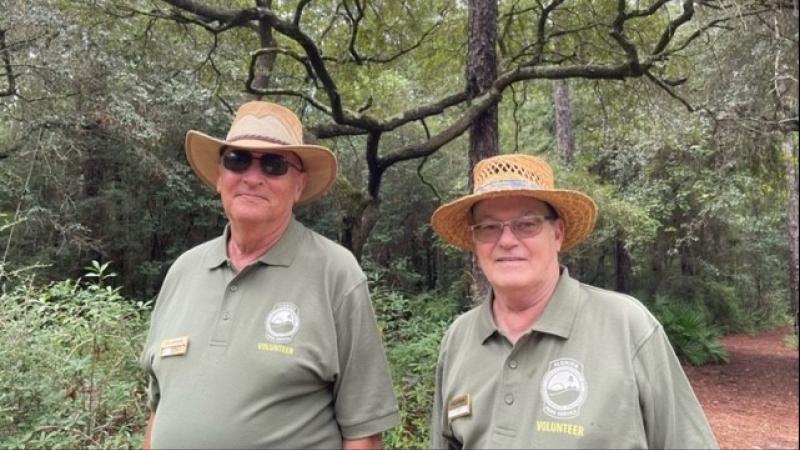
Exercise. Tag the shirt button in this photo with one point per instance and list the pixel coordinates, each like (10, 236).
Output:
(234, 288)
(512, 364)
(509, 399)
(226, 316)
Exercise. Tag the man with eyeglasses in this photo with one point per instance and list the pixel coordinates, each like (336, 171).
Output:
(265, 337)
(545, 361)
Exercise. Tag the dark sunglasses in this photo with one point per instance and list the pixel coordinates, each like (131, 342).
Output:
(238, 161)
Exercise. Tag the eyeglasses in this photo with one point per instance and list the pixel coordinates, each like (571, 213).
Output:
(522, 227)
(271, 164)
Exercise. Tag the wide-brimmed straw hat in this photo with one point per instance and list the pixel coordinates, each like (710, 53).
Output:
(515, 175)
(263, 127)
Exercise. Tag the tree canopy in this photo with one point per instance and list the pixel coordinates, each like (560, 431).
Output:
(679, 111)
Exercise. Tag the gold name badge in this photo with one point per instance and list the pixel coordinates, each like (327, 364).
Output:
(459, 406)
(175, 346)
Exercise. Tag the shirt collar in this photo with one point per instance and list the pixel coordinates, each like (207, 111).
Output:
(281, 254)
(486, 325)
(284, 251)
(557, 318)
(216, 255)
(561, 311)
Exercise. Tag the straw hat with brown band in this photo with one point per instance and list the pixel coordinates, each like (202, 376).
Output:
(515, 175)
(263, 127)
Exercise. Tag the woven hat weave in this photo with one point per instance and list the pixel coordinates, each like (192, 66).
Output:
(263, 127)
(515, 175)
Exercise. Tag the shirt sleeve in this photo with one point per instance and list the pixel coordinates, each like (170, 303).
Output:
(363, 394)
(441, 437)
(673, 418)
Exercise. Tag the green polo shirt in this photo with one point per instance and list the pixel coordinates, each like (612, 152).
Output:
(595, 371)
(284, 354)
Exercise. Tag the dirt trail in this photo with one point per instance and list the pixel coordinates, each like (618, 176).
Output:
(751, 402)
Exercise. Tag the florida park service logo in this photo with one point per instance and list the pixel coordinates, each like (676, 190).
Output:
(563, 389)
(282, 323)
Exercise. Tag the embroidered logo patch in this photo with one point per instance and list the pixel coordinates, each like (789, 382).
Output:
(563, 389)
(282, 323)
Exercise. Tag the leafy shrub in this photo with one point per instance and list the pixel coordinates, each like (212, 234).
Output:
(694, 340)
(412, 329)
(734, 304)
(70, 377)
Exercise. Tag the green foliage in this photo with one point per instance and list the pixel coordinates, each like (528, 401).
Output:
(70, 377)
(694, 340)
(412, 329)
(92, 161)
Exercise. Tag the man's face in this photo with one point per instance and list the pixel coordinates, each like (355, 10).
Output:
(517, 262)
(252, 197)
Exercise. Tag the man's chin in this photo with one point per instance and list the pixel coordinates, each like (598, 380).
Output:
(510, 282)
(249, 217)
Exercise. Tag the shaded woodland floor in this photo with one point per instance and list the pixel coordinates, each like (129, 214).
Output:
(752, 402)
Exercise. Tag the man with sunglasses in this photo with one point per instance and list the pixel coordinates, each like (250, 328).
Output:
(265, 337)
(546, 361)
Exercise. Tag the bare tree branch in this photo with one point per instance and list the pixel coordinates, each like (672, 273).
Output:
(715, 23)
(649, 11)
(540, 30)
(617, 32)
(426, 182)
(672, 27)
(298, 12)
(11, 81)
(211, 14)
(354, 19)
(666, 87)
(402, 52)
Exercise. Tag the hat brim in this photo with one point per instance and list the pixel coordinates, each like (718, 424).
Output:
(576, 209)
(319, 163)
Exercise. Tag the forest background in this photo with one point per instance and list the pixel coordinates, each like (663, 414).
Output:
(680, 119)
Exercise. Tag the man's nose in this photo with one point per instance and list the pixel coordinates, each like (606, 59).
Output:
(253, 172)
(507, 237)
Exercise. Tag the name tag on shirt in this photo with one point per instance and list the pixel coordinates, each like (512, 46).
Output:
(175, 346)
(459, 406)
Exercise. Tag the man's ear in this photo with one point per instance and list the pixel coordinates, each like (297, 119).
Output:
(560, 230)
(300, 185)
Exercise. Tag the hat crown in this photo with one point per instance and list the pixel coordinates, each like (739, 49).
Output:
(266, 122)
(506, 172)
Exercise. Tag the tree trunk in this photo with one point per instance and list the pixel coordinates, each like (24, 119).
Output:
(352, 231)
(96, 150)
(790, 155)
(265, 62)
(785, 91)
(369, 217)
(481, 71)
(362, 209)
(563, 119)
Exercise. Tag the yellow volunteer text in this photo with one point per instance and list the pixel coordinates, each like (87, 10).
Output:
(279, 348)
(559, 427)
